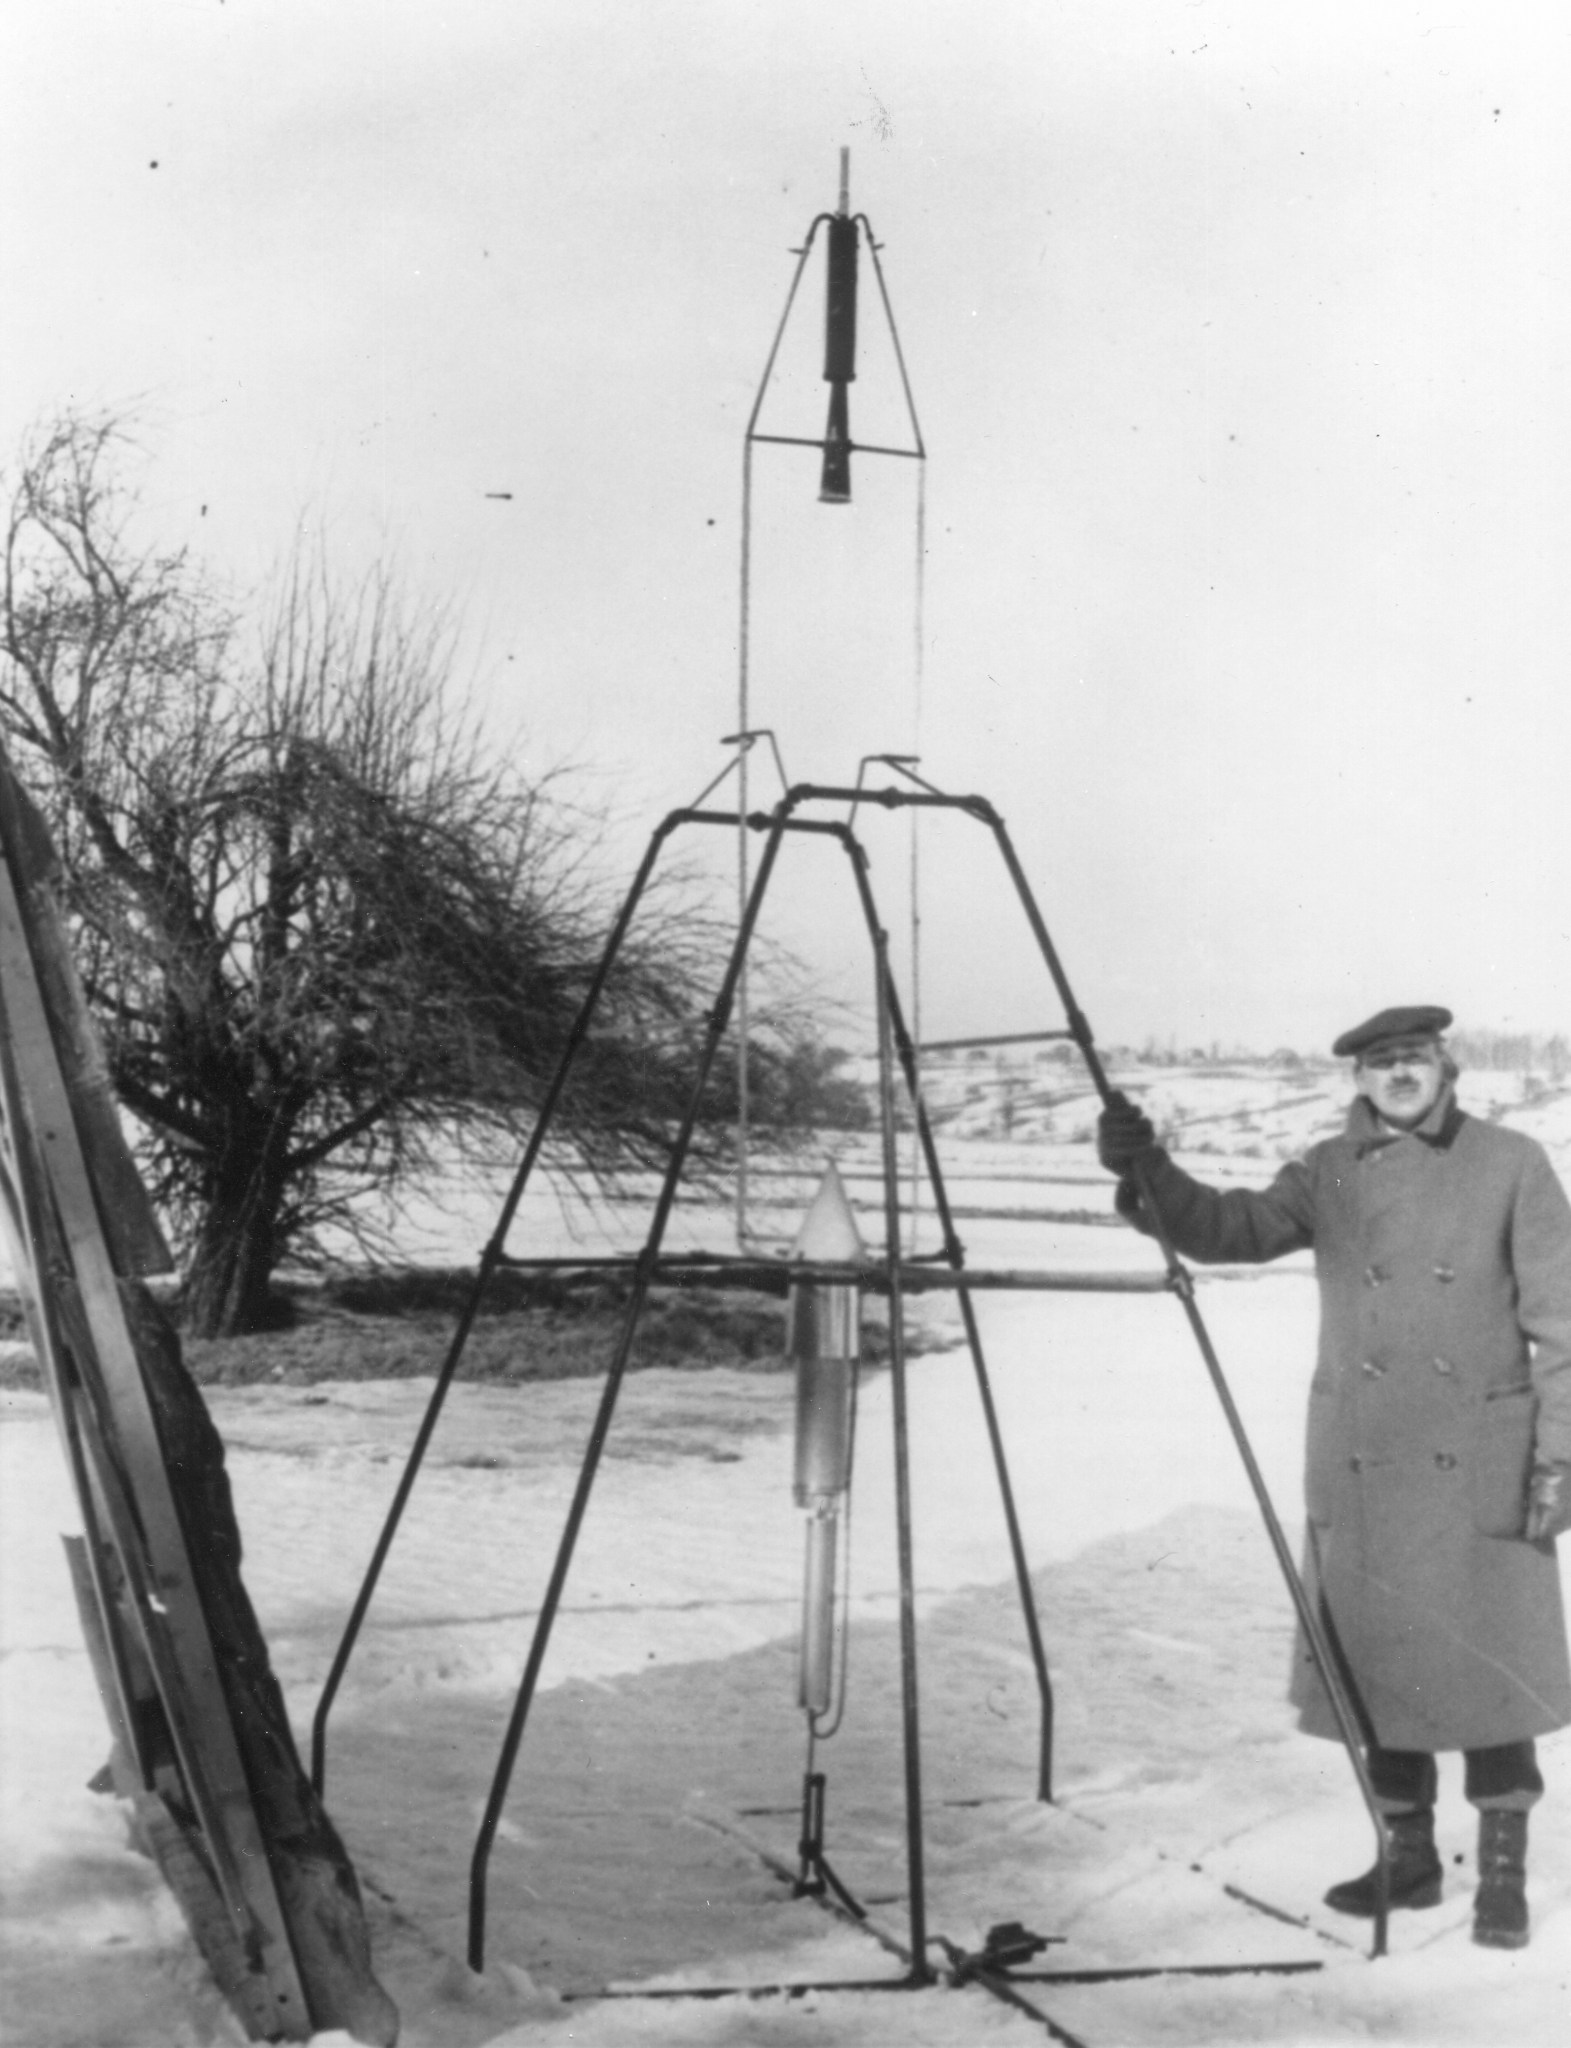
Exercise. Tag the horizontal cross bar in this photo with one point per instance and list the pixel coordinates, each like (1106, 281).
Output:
(774, 1276)
(1132, 1972)
(1005, 1038)
(789, 1990)
(854, 447)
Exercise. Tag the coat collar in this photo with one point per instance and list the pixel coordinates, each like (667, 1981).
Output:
(1369, 1132)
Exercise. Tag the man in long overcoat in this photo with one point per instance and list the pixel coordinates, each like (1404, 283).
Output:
(1438, 1469)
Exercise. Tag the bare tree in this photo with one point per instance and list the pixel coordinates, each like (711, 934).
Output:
(325, 927)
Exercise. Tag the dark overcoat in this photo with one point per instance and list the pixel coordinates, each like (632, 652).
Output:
(1444, 1261)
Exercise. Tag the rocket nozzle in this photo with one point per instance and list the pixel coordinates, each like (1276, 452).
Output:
(834, 483)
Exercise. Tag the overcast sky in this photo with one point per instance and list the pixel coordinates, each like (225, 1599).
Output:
(1239, 338)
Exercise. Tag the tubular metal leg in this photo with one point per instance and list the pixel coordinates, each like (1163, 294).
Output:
(954, 1254)
(718, 1020)
(920, 1970)
(1182, 1284)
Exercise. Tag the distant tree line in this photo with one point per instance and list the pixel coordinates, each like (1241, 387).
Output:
(1484, 1051)
(1516, 1052)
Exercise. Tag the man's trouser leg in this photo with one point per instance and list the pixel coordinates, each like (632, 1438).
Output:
(1505, 1779)
(1403, 1782)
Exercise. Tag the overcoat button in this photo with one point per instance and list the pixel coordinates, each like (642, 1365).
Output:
(1373, 1275)
(1372, 1368)
(1355, 1464)
(1444, 1365)
(1444, 1460)
(1445, 1272)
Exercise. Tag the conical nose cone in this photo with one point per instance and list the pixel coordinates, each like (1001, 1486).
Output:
(829, 1235)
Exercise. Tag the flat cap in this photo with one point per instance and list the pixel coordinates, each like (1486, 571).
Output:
(1417, 1020)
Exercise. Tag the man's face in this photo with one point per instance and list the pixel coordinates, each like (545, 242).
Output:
(1402, 1080)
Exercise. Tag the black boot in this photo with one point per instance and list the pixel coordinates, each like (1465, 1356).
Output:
(1500, 1910)
(1414, 1870)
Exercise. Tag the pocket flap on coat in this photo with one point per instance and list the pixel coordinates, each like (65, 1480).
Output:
(1502, 1456)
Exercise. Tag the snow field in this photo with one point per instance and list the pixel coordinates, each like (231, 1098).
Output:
(668, 1715)
(665, 1751)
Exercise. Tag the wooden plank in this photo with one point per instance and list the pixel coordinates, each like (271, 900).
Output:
(156, 1832)
(24, 1229)
(125, 1210)
(170, 1609)
(324, 1937)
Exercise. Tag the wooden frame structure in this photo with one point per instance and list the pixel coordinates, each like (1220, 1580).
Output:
(174, 1645)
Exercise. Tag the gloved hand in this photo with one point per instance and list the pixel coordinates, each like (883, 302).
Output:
(1123, 1132)
(1548, 1502)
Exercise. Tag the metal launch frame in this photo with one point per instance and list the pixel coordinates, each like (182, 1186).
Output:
(843, 230)
(894, 1276)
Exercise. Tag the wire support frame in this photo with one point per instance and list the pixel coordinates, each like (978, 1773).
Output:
(752, 437)
(891, 1274)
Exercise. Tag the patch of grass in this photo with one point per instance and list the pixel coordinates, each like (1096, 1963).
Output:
(399, 1324)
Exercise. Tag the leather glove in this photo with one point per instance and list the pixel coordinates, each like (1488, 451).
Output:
(1548, 1502)
(1123, 1132)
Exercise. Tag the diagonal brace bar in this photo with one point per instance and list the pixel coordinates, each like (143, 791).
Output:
(719, 1019)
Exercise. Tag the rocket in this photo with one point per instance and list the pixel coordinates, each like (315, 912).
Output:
(839, 345)
(823, 1338)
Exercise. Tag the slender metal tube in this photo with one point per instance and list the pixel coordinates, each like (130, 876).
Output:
(1326, 1665)
(921, 1971)
(489, 1260)
(954, 1254)
(920, 450)
(743, 713)
(718, 1019)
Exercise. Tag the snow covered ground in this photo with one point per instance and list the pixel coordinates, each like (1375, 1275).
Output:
(661, 1773)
